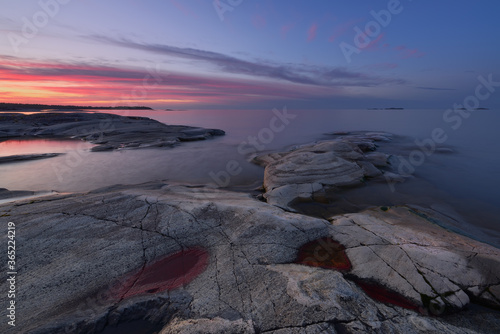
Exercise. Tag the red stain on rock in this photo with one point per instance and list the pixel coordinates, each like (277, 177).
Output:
(329, 254)
(324, 253)
(384, 295)
(168, 273)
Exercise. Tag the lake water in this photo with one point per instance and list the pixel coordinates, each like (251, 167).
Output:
(36, 146)
(465, 181)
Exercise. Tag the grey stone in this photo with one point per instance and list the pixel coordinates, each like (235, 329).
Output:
(27, 157)
(412, 256)
(109, 131)
(321, 167)
(75, 253)
(216, 326)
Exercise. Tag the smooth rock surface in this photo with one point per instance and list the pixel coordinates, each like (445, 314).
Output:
(27, 157)
(322, 167)
(6, 193)
(77, 253)
(108, 131)
(9, 196)
(430, 266)
(216, 325)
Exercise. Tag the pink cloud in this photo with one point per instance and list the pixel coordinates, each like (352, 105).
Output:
(341, 29)
(412, 53)
(374, 43)
(406, 53)
(285, 29)
(53, 83)
(382, 66)
(311, 33)
(183, 9)
(259, 21)
(261, 14)
(402, 51)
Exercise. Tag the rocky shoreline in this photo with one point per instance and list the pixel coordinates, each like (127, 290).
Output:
(309, 172)
(193, 259)
(107, 131)
(27, 157)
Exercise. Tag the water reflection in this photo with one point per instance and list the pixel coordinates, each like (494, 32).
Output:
(39, 146)
(468, 179)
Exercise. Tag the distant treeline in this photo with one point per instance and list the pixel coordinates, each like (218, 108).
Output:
(21, 106)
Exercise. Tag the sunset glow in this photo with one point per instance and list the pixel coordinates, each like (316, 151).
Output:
(259, 54)
(250, 166)
(90, 85)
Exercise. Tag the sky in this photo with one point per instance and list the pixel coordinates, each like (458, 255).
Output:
(248, 54)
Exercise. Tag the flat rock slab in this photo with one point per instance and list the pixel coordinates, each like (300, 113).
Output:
(434, 269)
(5, 193)
(93, 262)
(10, 196)
(309, 171)
(27, 157)
(108, 131)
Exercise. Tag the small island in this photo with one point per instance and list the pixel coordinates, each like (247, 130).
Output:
(475, 109)
(390, 108)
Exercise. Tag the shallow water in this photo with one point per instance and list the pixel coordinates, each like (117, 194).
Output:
(36, 146)
(466, 179)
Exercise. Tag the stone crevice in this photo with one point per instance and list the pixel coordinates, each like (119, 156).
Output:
(308, 324)
(395, 270)
(463, 287)
(233, 271)
(243, 242)
(420, 272)
(219, 290)
(369, 231)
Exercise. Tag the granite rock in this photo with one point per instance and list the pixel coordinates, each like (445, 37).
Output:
(108, 131)
(80, 256)
(322, 167)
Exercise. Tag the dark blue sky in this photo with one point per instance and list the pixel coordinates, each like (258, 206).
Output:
(249, 53)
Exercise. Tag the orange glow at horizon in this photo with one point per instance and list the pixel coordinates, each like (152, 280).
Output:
(62, 84)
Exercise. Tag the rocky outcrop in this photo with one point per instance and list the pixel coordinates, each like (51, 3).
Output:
(201, 260)
(312, 170)
(434, 269)
(108, 131)
(8, 196)
(216, 325)
(5, 193)
(27, 157)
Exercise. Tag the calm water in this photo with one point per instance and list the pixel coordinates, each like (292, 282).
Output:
(465, 181)
(35, 146)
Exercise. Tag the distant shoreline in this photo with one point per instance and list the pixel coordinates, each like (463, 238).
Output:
(42, 107)
(390, 108)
